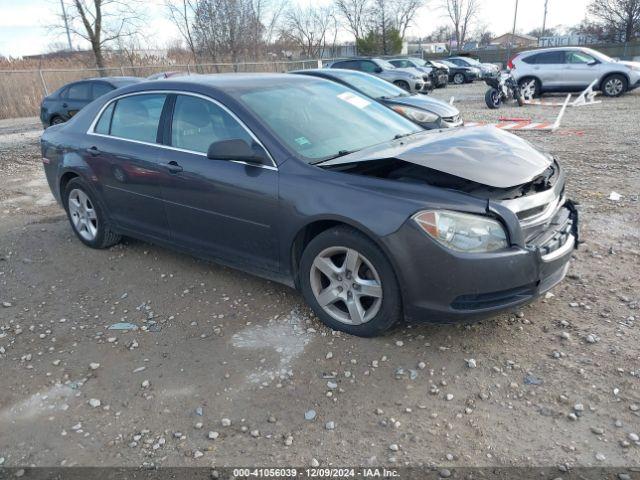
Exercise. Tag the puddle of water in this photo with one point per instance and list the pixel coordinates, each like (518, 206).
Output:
(41, 403)
(287, 338)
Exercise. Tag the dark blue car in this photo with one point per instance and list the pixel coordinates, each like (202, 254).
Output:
(307, 182)
(65, 102)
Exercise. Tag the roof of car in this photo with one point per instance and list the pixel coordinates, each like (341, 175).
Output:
(552, 49)
(229, 81)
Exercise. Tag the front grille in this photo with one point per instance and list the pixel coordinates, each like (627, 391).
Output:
(453, 119)
(555, 234)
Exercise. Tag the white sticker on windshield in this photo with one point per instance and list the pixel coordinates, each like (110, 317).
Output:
(355, 100)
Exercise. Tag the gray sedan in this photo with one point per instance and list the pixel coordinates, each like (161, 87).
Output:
(409, 79)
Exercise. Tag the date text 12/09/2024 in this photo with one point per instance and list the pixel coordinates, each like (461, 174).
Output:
(314, 473)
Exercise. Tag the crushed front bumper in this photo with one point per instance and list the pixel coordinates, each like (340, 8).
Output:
(443, 286)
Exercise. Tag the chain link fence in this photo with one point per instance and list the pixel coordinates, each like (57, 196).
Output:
(21, 91)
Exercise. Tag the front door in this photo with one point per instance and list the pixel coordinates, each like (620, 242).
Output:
(125, 156)
(220, 208)
(581, 69)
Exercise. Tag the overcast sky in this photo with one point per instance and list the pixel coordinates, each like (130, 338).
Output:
(23, 23)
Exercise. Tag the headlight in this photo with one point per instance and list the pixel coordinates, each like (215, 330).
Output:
(416, 115)
(462, 232)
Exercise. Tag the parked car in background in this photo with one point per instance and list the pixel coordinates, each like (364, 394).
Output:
(65, 102)
(439, 75)
(486, 69)
(408, 79)
(439, 66)
(572, 69)
(427, 112)
(309, 183)
(460, 75)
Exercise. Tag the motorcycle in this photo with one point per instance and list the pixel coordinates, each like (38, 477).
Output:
(503, 89)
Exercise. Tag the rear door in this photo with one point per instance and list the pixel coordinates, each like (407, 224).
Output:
(221, 208)
(549, 67)
(126, 157)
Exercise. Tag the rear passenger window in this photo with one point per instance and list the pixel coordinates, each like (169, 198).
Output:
(79, 91)
(197, 123)
(137, 117)
(549, 58)
(100, 89)
(105, 121)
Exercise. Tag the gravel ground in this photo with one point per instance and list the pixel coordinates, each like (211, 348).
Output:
(225, 366)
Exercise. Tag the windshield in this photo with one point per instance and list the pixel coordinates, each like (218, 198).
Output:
(448, 64)
(384, 64)
(372, 86)
(472, 61)
(303, 116)
(418, 61)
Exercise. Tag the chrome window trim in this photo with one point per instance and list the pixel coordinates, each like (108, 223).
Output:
(91, 130)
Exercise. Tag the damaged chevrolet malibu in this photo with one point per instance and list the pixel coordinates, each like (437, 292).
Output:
(303, 181)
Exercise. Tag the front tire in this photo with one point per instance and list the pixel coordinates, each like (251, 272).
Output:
(87, 217)
(458, 79)
(402, 84)
(349, 283)
(493, 99)
(614, 85)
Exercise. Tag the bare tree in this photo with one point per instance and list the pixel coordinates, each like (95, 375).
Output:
(309, 28)
(355, 14)
(101, 23)
(462, 14)
(404, 12)
(182, 15)
(621, 17)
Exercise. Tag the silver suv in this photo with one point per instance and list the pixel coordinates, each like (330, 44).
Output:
(409, 79)
(568, 69)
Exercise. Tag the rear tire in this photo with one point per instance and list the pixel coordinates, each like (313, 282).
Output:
(531, 85)
(493, 99)
(87, 218)
(56, 120)
(365, 301)
(614, 85)
(519, 97)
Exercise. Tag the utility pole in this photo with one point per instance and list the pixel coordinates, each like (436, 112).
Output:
(513, 32)
(66, 24)
(544, 18)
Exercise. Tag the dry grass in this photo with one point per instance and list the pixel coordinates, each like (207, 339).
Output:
(22, 87)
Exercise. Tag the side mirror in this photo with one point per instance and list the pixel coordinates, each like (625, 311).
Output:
(237, 149)
(378, 70)
(593, 62)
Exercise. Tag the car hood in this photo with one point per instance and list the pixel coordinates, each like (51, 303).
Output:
(485, 155)
(630, 64)
(443, 109)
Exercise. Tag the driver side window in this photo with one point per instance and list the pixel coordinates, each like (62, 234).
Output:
(197, 123)
(579, 58)
(368, 67)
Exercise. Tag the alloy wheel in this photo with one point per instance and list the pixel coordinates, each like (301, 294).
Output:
(346, 285)
(528, 89)
(83, 214)
(613, 87)
(458, 79)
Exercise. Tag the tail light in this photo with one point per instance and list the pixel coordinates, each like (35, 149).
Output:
(510, 64)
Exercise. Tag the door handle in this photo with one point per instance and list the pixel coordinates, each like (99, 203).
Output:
(64, 105)
(94, 150)
(173, 167)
